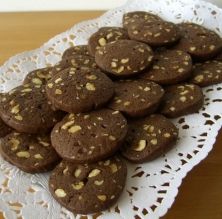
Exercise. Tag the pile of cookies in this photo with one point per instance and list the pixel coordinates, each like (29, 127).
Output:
(105, 102)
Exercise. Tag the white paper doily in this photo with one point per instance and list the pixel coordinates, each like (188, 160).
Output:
(151, 188)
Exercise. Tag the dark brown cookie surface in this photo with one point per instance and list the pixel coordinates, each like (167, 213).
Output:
(77, 62)
(136, 98)
(79, 90)
(149, 138)
(198, 41)
(182, 99)
(105, 35)
(155, 33)
(86, 189)
(30, 153)
(124, 57)
(169, 67)
(219, 57)
(26, 109)
(82, 138)
(4, 129)
(207, 73)
(39, 76)
(138, 17)
(76, 50)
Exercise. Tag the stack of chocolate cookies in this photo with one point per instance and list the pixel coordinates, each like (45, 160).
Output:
(105, 102)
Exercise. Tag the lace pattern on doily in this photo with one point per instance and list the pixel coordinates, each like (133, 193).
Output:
(151, 188)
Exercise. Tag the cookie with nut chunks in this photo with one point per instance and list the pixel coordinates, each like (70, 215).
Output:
(124, 57)
(182, 99)
(88, 188)
(27, 109)
(155, 33)
(39, 76)
(138, 17)
(80, 90)
(198, 41)
(30, 153)
(207, 73)
(136, 98)
(169, 67)
(75, 50)
(84, 138)
(105, 35)
(149, 138)
(75, 62)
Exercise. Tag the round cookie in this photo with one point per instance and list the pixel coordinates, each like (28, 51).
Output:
(30, 153)
(149, 138)
(138, 17)
(26, 109)
(77, 62)
(137, 97)
(182, 99)
(79, 90)
(169, 67)
(199, 42)
(207, 73)
(4, 129)
(155, 33)
(76, 50)
(124, 57)
(83, 138)
(86, 189)
(105, 35)
(38, 76)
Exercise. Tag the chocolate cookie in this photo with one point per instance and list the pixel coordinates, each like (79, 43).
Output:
(26, 109)
(76, 50)
(30, 153)
(169, 67)
(4, 129)
(208, 73)
(85, 189)
(124, 57)
(77, 62)
(105, 35)
(155, 33)
(182, 99)
(199, 42)
(138, 17)
(38, 76)
(219, 57)
(136, 98)
(89, 137)
(149, 138)
(79, 90)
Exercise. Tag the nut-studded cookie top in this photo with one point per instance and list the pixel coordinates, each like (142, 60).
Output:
(137, 97)
(85, 189)
(77, 62)
(182, 99)
(207, 73)
(79, 90)
(75, 50)
(30, 153)
(38, 76)
(138, 17)
(89, 137)
(105, 35)
(169, 67)
(124, 57)
(26, 109)
(155, 33)
(198, 41)
(149, 138)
